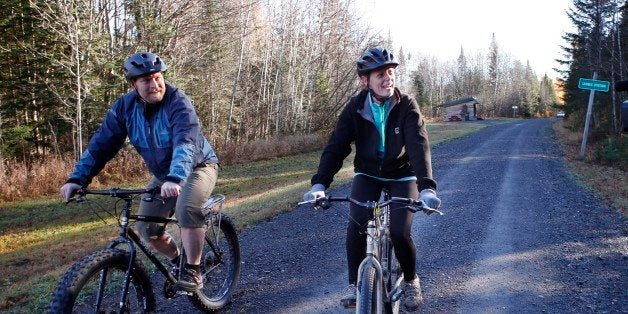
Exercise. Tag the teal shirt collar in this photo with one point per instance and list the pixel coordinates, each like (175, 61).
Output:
(380, 117)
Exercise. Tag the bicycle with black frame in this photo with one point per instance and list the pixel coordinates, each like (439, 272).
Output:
(379, 274)
(114, 280)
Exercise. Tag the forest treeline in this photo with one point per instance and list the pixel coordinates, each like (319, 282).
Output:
(260, 70)
(596, 46)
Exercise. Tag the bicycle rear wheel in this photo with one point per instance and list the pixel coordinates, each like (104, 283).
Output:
(220, 264)
(77, 291)
(367, 291)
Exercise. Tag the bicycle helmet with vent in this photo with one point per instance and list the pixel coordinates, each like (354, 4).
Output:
(375, 58)
(143, 63)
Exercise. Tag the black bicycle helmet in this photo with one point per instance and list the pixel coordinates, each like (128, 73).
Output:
(373, 59)
(143, 63)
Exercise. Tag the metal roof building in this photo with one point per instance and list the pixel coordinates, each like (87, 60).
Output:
(463, 109)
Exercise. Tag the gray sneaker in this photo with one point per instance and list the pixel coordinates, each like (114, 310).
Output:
(412, 297)
(349, 296)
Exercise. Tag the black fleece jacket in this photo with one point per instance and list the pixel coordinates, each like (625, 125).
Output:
(407, 150)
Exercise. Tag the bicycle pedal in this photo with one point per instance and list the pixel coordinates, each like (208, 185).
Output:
(396, 295)
(183, 292)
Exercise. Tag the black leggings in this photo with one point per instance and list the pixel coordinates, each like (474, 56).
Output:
(364, 189)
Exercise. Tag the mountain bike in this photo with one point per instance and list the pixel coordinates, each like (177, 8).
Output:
(379, 274)
(114, 280)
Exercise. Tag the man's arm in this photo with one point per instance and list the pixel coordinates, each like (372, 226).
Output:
(102, 147)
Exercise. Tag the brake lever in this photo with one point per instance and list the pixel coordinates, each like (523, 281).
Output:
(154, 195)
(320, 203)
(154, 198)
(428, 211)
(305, 202)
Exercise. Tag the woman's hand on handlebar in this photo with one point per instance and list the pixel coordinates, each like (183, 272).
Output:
(316, 196)
(317, 191)
(429, 198)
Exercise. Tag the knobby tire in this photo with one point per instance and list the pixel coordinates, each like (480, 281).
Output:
(367, 297)
(76, 292)
(220, 264)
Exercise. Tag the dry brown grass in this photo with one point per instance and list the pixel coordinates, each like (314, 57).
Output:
(610, 181)
(45, 177)
(268, 149)
(38, 179)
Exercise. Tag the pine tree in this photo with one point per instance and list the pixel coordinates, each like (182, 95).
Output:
(547, 97)
(27, 108)
(460, 77)
(493, 72)
(401, 72)
(531, 99)
(587, 51)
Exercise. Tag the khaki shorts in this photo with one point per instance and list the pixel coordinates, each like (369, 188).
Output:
(186, 207)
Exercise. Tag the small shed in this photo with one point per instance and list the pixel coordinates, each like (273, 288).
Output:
(463, 109)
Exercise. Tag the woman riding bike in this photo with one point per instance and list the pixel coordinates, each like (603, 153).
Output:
(393, 153)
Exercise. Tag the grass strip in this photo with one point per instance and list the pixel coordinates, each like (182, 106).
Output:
(610, 183)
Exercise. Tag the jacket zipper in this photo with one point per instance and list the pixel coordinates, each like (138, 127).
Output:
(149, 139)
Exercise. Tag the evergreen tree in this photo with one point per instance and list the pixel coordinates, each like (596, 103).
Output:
(547, 97)
(493, 72)
(530, 102)
(401, 72)
(26, 106)
(460, 77)
(587, 52)
(418, 85)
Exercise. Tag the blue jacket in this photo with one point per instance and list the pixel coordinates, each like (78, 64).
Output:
(167, 136)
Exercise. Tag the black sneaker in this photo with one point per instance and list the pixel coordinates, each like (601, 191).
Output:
(190, 280)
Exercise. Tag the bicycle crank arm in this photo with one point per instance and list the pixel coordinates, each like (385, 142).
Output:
(396, 292)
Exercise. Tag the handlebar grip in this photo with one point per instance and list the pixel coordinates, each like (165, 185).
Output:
(319, 203)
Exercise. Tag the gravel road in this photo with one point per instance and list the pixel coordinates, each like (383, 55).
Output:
(519, 235)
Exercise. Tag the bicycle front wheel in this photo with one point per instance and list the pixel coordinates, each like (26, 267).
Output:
(367, 291)
(220, 264)
(392, 273)
(105, 272)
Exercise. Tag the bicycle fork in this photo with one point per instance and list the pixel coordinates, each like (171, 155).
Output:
(124, 222)
(371, 261)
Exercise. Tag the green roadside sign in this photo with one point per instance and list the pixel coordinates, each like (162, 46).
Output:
(595, 85)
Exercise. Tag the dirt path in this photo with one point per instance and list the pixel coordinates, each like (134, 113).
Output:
(519, 235)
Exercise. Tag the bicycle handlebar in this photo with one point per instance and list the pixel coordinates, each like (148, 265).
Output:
(413, 205)
(117, 192)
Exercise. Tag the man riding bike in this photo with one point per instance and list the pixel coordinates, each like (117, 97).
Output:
(161, 123)
(393, 153)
